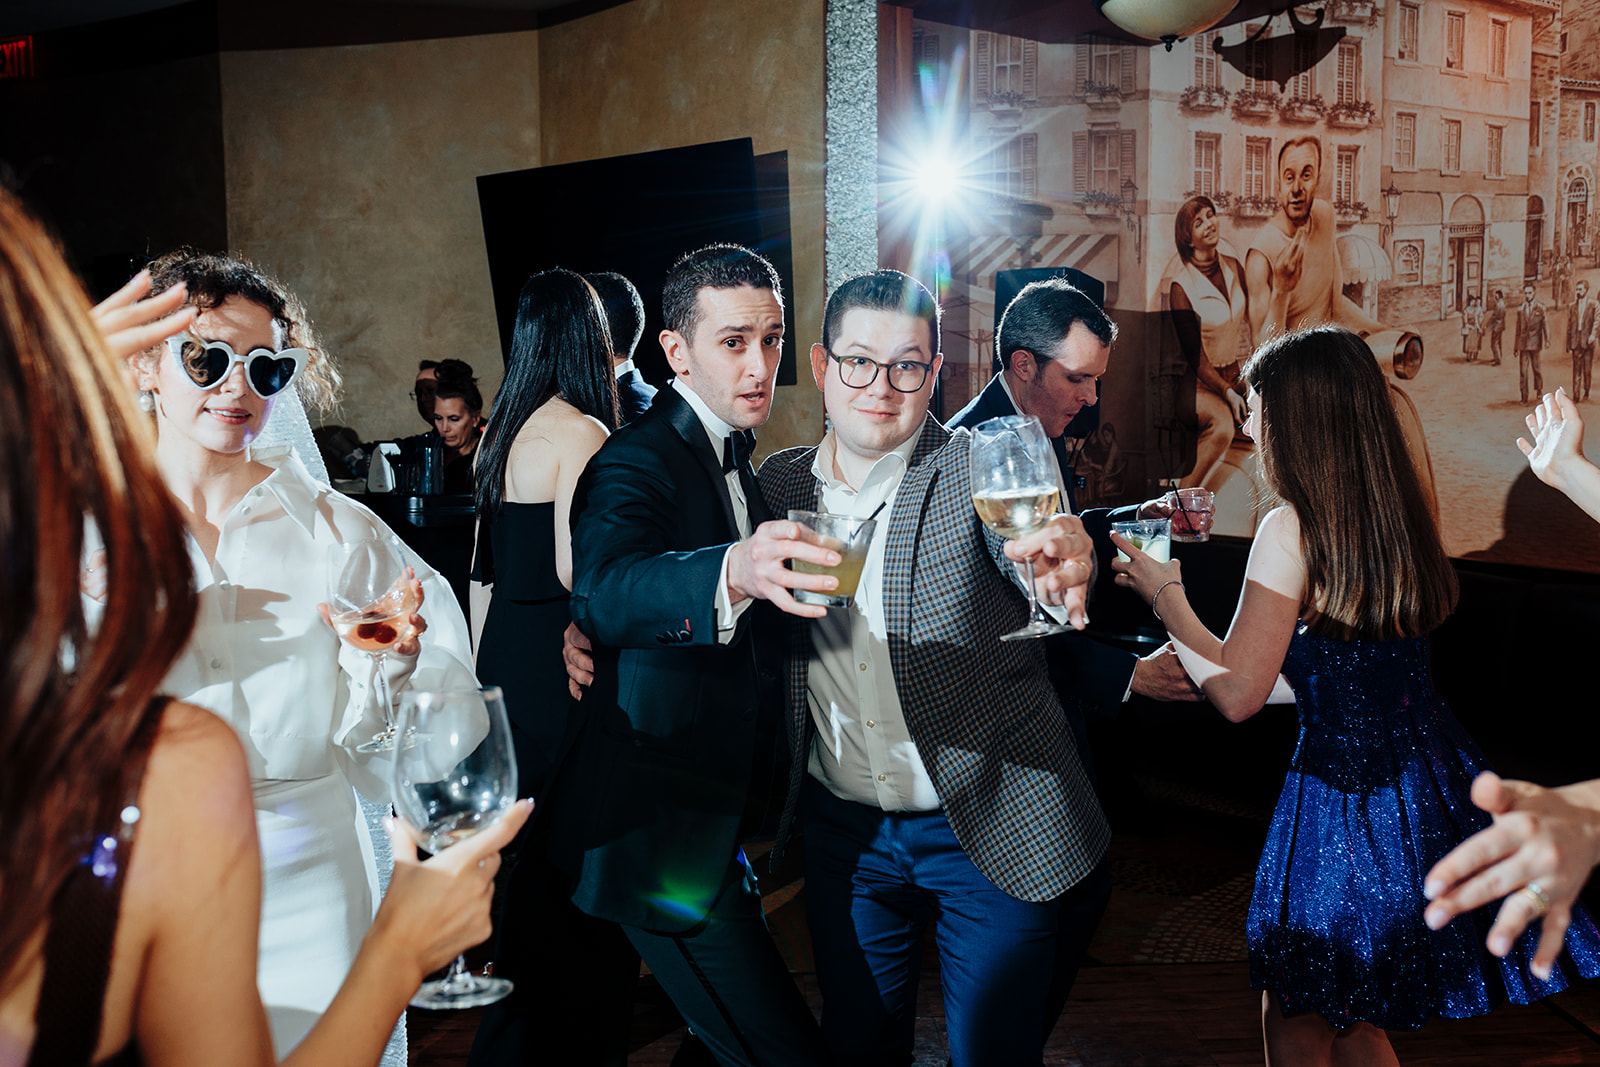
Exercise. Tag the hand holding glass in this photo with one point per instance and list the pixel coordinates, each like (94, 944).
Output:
(1153, 537)
(455, 774)
(1192, 513)
(370, 602)
(1015, 492)
(850, 537)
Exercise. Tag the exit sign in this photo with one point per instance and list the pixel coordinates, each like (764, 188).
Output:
(16, 57)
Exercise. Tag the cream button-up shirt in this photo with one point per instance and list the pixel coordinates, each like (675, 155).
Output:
(863, 750)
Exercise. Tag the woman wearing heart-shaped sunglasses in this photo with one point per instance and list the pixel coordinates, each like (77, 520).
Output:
(263, 656)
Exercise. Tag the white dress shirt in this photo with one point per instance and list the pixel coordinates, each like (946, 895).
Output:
(863, 749)
(717, 433)
(300, 701)
(1064, 505)
(621, 370)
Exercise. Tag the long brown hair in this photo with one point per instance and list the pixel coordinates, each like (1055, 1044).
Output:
(1333, 450)
(72, 448)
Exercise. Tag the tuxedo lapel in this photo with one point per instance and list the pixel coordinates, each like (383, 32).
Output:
(693, 432)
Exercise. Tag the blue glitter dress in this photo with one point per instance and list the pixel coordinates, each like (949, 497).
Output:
(1377, 793)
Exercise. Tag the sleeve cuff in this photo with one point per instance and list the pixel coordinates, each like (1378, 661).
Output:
(728, 613)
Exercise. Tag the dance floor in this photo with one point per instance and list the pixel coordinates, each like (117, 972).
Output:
(1167, 983)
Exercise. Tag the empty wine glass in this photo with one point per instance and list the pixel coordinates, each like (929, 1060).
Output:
(454, 774)
(1015, 492)
(371, 601)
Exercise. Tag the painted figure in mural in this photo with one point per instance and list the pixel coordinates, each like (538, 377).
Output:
(1495, 323)
(1382, 774)
(1472, 328)
(1210, 308)
(1532, 333)
(1580, 338)
(1292, 268)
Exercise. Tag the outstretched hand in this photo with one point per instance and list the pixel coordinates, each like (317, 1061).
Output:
(437, 909)
(1550, 837)
(130, 324)
(1557, 446)
(756, 567)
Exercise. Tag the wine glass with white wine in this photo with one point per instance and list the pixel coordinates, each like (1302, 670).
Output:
(1015, 492)
(370, 600)
(455, 773)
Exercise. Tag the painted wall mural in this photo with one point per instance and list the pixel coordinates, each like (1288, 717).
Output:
(1423, 173)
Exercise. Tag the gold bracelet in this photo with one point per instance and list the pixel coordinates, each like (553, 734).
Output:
(1157, 597)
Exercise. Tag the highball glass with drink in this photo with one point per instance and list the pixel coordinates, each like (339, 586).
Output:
(1192, 513)
(850, 537)
(1153, 537)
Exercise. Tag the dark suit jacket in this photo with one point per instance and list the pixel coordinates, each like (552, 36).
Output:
(1086, 672)
(986, 722)
(1533, 332)
(1580, 325)
(634, 395)
(647, 810)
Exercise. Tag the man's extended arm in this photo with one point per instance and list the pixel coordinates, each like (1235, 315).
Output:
(629, 588)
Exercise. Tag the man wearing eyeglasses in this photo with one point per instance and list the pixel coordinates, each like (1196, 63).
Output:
(936, 775)
(423, 389)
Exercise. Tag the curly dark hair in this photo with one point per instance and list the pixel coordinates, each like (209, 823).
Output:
(214, 277)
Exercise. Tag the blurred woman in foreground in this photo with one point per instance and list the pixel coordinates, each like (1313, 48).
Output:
(111, 953)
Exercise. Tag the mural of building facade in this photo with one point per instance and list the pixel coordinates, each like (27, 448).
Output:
(1451, 147)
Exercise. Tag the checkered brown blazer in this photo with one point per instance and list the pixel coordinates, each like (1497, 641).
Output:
(984, 717)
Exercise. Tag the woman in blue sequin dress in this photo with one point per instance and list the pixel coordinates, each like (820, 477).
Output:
(1345, 580)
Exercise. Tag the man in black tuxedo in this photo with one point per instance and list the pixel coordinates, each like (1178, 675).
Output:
(625, 322)
(682, 727)
(1054, 343)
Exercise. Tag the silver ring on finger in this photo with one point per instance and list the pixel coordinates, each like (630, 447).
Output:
(1539, 898)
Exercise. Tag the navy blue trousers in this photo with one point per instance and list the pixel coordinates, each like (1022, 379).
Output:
(875, 880)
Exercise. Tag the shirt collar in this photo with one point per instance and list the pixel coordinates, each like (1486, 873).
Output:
(1006, 386)
(291, 484)
(890, 465)
(716, 429)
(623, 369)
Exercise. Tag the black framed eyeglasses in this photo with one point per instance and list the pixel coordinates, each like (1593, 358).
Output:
(905, 375)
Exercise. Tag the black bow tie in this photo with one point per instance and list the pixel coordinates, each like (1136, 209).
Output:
(736, 450)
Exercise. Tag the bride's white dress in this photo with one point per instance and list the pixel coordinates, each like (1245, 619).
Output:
(263, 659)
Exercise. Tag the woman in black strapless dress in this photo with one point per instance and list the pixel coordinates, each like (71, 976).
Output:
(554, 410)
(573, 974)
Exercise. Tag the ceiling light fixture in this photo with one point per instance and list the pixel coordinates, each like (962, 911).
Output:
(1164, 20)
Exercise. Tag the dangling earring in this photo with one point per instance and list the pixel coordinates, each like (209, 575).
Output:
(147, 401)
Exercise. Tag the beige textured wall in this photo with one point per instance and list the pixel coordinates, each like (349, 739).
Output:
(350, 172)
(666, 73)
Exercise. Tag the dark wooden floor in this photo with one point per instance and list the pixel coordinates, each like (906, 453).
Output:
(1166, 983)
(1165, 1015)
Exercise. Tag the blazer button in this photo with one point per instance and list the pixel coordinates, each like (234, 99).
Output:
(685, 636)
(667, 638)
